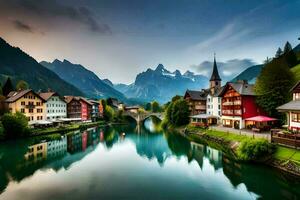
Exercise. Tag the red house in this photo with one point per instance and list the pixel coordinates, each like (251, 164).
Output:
(86, 109)
(78, 107)
(238, 103)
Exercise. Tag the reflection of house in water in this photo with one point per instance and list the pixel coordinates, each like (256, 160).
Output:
(214, 156)
(36, 152)
(84, 140)
(200, 151)
(56, 148)
(74, 142)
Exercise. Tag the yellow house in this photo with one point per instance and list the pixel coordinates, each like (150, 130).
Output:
(29, 103)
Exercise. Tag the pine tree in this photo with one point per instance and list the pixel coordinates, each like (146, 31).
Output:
(8, 87)
(287, 48)
(278, 53)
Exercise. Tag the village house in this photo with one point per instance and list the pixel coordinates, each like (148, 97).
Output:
(196, 101)
(292, 109)
(56, 106)
(78, 108)
(210, 98)
(95, 114)
(29, 103)
(238, 104)
(213, 100)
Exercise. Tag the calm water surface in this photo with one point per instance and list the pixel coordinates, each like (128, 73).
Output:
(142, 164)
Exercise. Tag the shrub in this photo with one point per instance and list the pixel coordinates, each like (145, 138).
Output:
(1, 131)
(253, 149)
(15, 125)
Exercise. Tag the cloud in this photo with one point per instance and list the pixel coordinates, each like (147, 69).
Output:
(228, 69)
(54, 11)
(21, 26)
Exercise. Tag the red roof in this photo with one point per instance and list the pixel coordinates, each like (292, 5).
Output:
(261, 119)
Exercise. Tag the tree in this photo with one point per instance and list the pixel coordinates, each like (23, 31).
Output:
(279, 52)
(155, 106)
(287, 47)
(272, 86)
(148, 106)
(175, 98)
(8, 87)
(177, 113)
(22, 85)
(15, 125)
(109, 113)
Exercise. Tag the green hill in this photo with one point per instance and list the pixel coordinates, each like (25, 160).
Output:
(18, 65)
(296, 71)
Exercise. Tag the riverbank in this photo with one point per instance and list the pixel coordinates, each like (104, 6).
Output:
(285, 159)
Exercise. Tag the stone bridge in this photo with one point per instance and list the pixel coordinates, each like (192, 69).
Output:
(140, 117)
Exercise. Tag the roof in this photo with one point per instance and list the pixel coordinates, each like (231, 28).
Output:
(68, 99)
(215, 74)
(203, 116)
(197, 95)
(295, 86)
(15, 95)
(217, 92)
(292, 105)
(47, 95)
(94, 101)
(240, 87)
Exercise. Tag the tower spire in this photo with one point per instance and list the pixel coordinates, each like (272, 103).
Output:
(215, 73)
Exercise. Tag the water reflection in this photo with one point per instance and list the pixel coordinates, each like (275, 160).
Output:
(21, 159)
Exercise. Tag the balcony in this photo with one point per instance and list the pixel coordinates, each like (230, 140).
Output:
(30, 106)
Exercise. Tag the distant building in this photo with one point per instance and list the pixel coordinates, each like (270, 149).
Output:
(238, 103)
(132, 109)
(292, 109)
(56, 106)
(95, 114)
(78, 108)
(29, 103)
(196, 101)
(213, 100)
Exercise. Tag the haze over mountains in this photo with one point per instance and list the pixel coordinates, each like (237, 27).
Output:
(18, 65)
(83, 79)
(158, 84)
(161, 84)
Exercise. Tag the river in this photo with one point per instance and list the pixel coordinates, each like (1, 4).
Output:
(129, 162)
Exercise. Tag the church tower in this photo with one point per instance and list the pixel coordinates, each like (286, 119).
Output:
(215, 80)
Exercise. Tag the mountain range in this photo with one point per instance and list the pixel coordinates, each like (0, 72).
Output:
(18, 65)
(83, 79)
(161, 84)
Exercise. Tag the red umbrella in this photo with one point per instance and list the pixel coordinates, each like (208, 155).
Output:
(261, 119)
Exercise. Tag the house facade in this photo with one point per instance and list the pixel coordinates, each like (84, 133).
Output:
(238, 103)
(56, 106)
(78, 108)
(196, 101)
(95, 114)
(73, 107)
(29, 103)
(292, 109)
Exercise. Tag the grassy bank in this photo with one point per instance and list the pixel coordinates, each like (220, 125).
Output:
(66, 128)
(281, 153)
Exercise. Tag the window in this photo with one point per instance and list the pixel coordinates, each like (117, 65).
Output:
(296, 96)
(38, 103)
(296, 117)
(23, 103)
(22, 110)
(30, 110)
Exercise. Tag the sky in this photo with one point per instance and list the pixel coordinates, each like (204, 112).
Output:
(117, 39)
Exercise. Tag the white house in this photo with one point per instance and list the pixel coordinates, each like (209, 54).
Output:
(213, 101)
(292, 109)
(56, 107)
